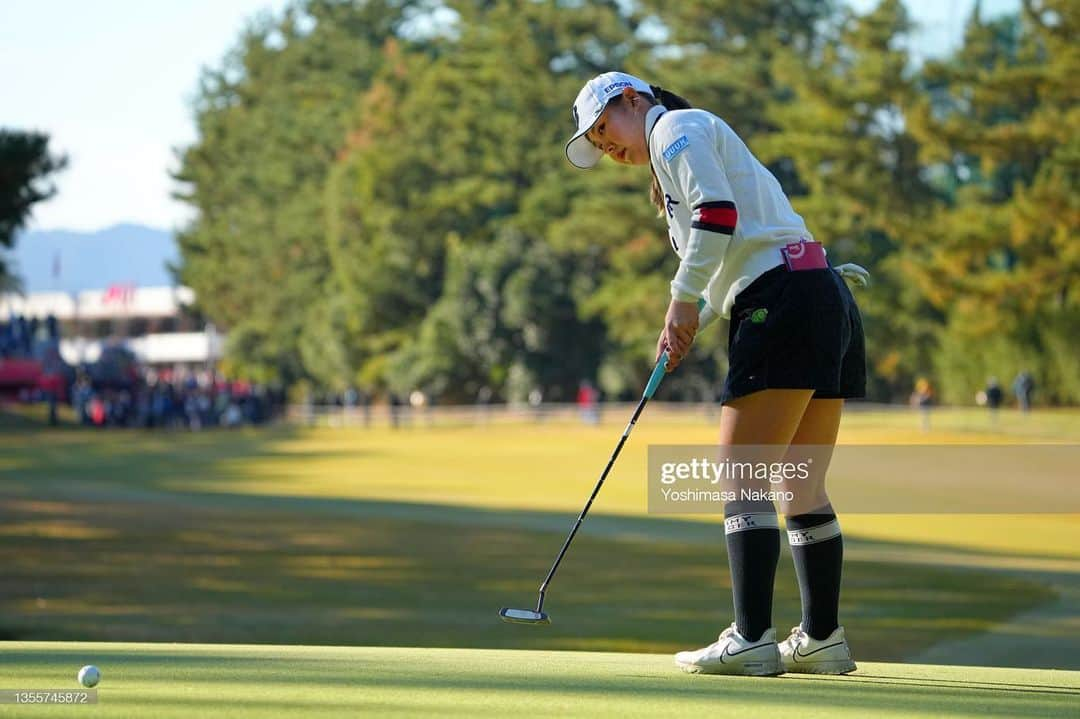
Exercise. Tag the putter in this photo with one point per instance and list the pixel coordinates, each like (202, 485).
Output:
(537, 616)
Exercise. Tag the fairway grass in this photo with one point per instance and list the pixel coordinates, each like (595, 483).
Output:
(538, 467)
(324, 536)
(252, 681)
(243, 569)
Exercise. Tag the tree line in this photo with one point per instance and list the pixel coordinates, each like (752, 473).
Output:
(383, 202)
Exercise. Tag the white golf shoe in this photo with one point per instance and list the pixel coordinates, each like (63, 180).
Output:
(734, 654)
(803, 654)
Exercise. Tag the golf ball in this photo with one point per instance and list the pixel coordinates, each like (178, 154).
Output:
(89, 676)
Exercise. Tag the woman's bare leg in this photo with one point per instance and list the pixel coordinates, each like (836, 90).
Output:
(817, 433)
(817, 546)
(768, 417)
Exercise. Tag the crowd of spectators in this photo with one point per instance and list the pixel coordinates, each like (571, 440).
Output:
(21, 336)
(168, 400)
(116, 390)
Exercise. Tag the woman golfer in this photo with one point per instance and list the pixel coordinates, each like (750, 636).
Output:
(795, 350)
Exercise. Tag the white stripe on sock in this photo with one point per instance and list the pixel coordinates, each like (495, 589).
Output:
(744, 522)
(813, 535)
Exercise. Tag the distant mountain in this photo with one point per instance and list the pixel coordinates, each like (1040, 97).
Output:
(121, 254)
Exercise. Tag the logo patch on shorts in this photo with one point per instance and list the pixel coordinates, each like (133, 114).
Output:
(758, 316)
(675, 148)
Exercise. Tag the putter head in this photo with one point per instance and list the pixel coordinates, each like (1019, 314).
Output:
(523, 616)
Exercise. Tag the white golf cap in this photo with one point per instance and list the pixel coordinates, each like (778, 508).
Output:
(588, 106)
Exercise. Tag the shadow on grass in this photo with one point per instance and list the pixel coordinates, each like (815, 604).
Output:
(135, 571)
(98, 544)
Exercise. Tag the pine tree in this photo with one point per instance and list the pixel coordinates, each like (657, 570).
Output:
(270, 121)
(842, 127)
(1000, 259)
(458, 156)
(26, 168)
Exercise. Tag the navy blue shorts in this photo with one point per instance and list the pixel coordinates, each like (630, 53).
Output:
(796, 330)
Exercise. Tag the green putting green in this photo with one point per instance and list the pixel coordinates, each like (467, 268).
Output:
(246, 681)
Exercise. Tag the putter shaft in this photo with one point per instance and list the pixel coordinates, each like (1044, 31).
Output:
(654, 382)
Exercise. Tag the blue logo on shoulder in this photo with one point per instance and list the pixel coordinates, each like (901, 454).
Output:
(672, 150)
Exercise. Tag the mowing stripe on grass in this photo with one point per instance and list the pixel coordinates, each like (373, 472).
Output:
(255, 681)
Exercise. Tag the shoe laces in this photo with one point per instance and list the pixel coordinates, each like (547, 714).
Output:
(727, 632)
(796, 636)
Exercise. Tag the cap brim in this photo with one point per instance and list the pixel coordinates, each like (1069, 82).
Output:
(581, 153)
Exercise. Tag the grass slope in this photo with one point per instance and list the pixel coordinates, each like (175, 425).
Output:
(249, 681)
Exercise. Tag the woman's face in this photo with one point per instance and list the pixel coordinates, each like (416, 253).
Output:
(620, 130)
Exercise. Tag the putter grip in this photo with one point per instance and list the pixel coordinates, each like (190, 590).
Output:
(661, 366)
(657, 375)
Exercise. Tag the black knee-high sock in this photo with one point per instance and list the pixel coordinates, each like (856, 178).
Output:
(753, 543)
(818, 549)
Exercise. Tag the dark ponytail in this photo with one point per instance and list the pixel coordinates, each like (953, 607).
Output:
(672, 102)
(669, 99)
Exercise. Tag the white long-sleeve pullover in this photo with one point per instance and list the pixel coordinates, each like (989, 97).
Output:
(727, 214)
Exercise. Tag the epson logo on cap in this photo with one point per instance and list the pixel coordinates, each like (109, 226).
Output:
(614, 86)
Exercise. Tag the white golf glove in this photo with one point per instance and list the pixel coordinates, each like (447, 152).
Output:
(854, 274)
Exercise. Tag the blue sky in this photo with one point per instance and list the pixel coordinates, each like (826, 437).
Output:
(111, 82)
